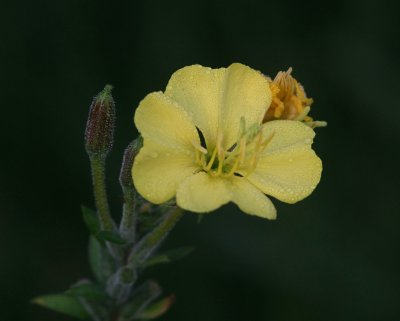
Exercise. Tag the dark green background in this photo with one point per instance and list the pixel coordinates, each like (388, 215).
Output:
(334, 256)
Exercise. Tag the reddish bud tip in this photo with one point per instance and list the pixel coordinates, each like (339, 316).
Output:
(99, 135)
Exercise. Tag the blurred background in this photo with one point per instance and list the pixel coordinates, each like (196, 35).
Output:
(334, 256)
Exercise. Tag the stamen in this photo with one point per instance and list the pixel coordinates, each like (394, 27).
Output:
(243, 154)
(197, 156)
(211, 162)
(242, 151)
(219, 145)
(239, 160)
(303, 113)
(199, 147)
(242, 127)
(220, 162)
(267, 140)
(260, 146)
(256, 150)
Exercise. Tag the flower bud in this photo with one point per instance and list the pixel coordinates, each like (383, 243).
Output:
(99, 133)
(125, 176)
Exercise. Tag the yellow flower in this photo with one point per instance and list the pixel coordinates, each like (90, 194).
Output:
(204, 143)
(289, 101)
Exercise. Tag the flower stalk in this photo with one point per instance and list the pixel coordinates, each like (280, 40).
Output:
(147, 246)
(127, 226)
(100, 194)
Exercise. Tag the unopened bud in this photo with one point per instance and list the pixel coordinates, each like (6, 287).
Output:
(99, 135)
(125, 176)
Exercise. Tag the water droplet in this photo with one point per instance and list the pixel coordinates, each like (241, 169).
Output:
(290, 160)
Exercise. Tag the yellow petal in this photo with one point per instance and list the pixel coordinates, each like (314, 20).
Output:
(250, 199)
(286, 133)
(202, 193)
(247, 94)
(164, 122)
(290, 174)
(158, 171)
(199, 90)
(218, 98)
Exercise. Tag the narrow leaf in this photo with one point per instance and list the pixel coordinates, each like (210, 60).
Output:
(63, 303)
(100, 261)
(91, 220)
(156, 309)
(87, 290)
(95, 257)
(169, 256)
(156, 259)
(179, 253)
(110, 236)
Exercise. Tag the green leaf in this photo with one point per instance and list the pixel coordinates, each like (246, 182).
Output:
(110, 236)
(100, 261)
(156, 309)
(169, 256)
(63, 303)
(95, 258)
(91, 220)
(87, 290)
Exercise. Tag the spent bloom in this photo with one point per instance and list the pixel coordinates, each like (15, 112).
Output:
(205, 143)
(290, 101)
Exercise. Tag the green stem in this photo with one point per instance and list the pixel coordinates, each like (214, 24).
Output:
(153, 239)
(129, 216)
(100, 195)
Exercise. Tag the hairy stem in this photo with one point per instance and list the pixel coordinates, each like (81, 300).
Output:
(153, 239)
(129, 216)
(100, 195)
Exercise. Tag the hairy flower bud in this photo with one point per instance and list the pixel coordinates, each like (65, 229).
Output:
(125, 176)
(99, 133)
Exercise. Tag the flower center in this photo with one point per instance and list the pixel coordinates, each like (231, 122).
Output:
(240, 159)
